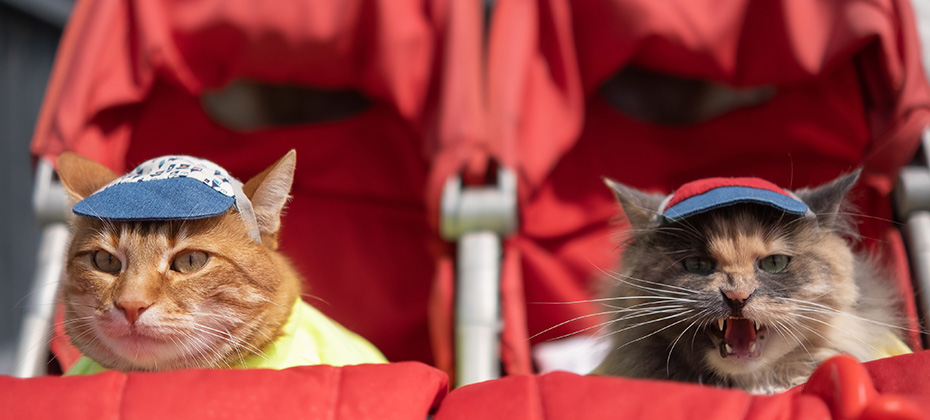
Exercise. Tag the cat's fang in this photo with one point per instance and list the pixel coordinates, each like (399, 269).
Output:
(721, 323)
(757, 324)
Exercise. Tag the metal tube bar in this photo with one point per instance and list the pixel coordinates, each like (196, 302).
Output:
(477, 330)
(32, 349)
(918, 238)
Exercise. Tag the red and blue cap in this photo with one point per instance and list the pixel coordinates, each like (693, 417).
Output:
(704, 195)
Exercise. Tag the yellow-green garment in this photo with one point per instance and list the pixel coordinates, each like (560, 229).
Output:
(310, 338)
(892, 346)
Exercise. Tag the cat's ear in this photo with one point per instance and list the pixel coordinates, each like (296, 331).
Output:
(269, 191)
(640, 207)
(827, 201)
(82, 176)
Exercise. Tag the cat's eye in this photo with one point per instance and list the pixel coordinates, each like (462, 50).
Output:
(189, 261)
(106, 262)
(699, 265)
(774, 263)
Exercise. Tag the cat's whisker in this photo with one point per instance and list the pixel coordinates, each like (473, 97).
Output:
(623, 278)
(228, 318)
(577, 318)
(236, 348)
(680, 251)
(842, 330)
(306, 296)
(668, 360)
(650, 334)
(628, 281)
(814, 307)
(653, 321)
(871, 217)
(205, 349)
(600, 328)
(692, 230)
(636, 314)
(656, 304)
(676, 262)
(77, 320)
(269, 301)
(230, 339)
(267, 337)
(684, 290)
(43, 344)
(186, 349)
(236, 342)
(35, 289)
(619, 298)
(234, 345)
(779, 326)
(814, 332)
(648, 312)
(645, 305)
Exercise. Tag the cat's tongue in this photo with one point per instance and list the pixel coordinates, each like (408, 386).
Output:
(740, 339)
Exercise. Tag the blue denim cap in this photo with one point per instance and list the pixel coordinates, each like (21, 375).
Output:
(170, 188)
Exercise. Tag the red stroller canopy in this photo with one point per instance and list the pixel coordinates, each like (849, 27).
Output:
(447, 97)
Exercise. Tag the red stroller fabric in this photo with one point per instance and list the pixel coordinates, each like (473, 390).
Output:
(350, 392)
(850, 91)
(840, 389)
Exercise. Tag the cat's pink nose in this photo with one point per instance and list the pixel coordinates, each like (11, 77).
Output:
(737, 295)
(132, 309)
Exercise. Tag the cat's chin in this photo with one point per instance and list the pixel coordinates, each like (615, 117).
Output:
(735, 366)
(141, 352)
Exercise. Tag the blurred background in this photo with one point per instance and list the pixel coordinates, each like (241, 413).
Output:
(29, 34)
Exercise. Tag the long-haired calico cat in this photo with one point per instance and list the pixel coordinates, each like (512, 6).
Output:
(736, 282)
(175, 265)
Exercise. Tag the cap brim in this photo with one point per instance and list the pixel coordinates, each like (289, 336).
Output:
(156, 200)
(726, 196)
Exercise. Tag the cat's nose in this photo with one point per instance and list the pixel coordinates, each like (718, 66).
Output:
(736, 299)
(132, 309)
(737, 295)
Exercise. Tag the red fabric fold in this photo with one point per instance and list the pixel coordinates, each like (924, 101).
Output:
(842, 388)
(394, 391)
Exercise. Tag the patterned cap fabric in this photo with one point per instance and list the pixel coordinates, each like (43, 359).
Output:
(169, 188)
(703, 195)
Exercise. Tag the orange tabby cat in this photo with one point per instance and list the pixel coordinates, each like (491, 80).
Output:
(170, 294)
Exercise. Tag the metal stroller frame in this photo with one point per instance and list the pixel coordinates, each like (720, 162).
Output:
(912, 199)
(51, 206)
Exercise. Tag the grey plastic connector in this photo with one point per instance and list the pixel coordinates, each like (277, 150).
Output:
(471, 209)
(50, 202)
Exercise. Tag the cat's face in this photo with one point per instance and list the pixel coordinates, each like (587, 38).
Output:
(747, 284)
(166, 295)
(735, 289)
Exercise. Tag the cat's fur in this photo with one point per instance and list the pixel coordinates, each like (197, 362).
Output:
(152, 316)
(665, 320)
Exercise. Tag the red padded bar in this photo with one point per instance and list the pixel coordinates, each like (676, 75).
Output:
(391, 391)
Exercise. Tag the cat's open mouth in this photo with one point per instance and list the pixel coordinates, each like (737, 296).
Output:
(739, 337)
